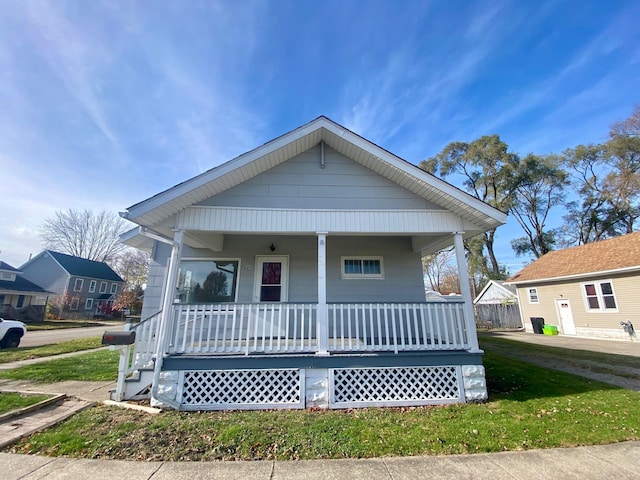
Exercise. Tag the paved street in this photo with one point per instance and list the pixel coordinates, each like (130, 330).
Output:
(46, 337)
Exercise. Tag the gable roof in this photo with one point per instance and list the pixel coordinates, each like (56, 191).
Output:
(507, 290)
(162, 206)
(22, 285)
(81, 267)
(8, 268)
(606, 256)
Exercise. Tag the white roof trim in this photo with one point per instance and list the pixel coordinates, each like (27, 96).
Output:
(168, 202)
(488, 286)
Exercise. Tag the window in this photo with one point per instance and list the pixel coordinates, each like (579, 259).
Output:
(207, 281)
(20, 302)
(74, 303)
(362, 267)
(114, 287)
(92, 286)
(600, 296)
(533, 295)
(103, 287)
(88, 304)
(78, 285)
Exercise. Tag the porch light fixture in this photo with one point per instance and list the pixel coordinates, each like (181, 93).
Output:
(272, 247)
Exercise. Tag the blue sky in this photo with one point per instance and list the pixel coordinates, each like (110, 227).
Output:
(105, 103)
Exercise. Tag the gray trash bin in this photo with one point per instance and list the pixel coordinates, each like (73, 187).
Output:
(538, 324)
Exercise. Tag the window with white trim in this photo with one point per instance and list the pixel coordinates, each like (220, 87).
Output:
(362, 267)
(88, 304)
(600, 296)
(74, 303)
(533, 295)
(103, 287)
(77, 287)
(114, 287)
(92, 286)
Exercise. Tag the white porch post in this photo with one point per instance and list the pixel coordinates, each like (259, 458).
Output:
(465, 290)
(170, 290)
(322, 318)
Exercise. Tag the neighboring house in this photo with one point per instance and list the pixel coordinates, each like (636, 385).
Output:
(20, 299)
(291, 277)
(83, 287)
(497, 306)
(586, 290)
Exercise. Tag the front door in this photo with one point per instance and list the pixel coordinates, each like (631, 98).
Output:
(566, 316)
(272, 279)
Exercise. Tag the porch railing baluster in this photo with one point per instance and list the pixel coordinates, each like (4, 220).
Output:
(275, 327)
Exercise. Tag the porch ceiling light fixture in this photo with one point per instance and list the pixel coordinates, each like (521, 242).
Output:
(272, 247)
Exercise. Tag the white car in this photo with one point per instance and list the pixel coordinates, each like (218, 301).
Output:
(11, 331)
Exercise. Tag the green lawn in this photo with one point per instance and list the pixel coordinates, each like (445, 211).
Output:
(529, 407)
(13, 400)
(94, 366)
(27, 353)
(58, 324)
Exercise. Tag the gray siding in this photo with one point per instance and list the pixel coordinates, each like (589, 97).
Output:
(302, 183)
(46, 272)
(155, 279)
(403, 281)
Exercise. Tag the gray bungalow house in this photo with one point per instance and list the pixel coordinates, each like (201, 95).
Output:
(20, 299)
(290, 277)
(83, 287)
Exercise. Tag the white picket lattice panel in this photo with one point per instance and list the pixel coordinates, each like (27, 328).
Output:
(241, 389)
(360, 387)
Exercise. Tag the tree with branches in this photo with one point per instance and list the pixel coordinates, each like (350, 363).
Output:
(485, 166)
(84, 234)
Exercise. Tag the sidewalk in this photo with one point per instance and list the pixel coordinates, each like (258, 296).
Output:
(585, 463)
(591, 462)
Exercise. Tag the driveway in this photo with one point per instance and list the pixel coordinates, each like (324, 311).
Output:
(47, 337)
(619, 366)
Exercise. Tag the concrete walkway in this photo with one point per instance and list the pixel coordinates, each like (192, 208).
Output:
(618, 461)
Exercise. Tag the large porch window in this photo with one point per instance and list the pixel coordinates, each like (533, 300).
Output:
(207, 281)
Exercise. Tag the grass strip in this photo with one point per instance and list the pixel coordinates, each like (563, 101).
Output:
(10, 401)
(60, 324)
(28, 353)
(92, 367)
(529, 407)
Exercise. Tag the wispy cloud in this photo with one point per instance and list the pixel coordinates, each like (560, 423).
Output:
(75, 55)
(417, 82)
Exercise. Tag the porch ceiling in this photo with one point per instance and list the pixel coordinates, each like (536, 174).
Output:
(159, 208)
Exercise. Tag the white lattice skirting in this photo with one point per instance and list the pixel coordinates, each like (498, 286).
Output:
(332, 388)
(363, 387)
(241, 389)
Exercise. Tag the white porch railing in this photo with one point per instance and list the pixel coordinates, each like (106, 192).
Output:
(244, 328)
(292, 328)
(397, 327)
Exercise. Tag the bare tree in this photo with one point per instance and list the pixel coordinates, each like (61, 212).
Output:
(85, 234)
(436, 267)
(132, 265)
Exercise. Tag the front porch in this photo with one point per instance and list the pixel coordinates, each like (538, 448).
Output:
(278, 355)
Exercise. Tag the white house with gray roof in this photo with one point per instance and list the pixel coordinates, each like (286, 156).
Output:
(291, 277)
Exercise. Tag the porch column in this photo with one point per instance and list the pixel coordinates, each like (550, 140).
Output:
(169, 294)
(322, 317)
(465, 290)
